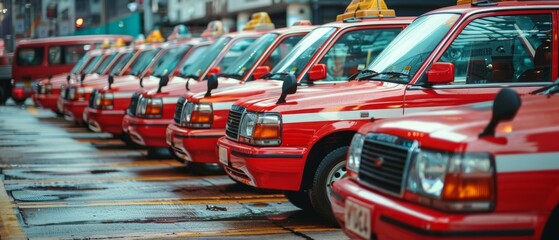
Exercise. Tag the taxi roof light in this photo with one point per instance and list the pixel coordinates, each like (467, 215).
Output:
(214, 29)
(155, 37)
(366, 9)
(481, 3)
(259, 21)
(302, 23)
(179, 32)
(119, 43)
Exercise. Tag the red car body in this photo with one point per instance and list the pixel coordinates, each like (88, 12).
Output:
(418, 71)
(522, 175)
(151, 132)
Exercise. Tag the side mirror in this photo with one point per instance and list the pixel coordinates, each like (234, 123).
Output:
(82, 77)
(148, 72)
(317, 72)
(127, 71)
(505, 106)
(163, 81)
(440, 73)
(176, 72)
(111, 80)
(68, 78)
(212, 84)
(289, 86)
(260, 71)
(214, 70)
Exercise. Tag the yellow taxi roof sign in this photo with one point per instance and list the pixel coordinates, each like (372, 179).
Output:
(259, 21)
(366, 9)
(106, 44)
(155, 36)
(214, 29)
(119, 43)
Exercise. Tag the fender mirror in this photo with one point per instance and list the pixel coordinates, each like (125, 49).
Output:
(68, 78)
(163, 81)
(440, 73)
(212, 84)
(505, 106)
(111, 80)
(260, 72)
(317, 72)
(289, 86)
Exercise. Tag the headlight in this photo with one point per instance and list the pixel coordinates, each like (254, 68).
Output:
(261, 129)
(103, 101)
(197, 115)
(150, 107)
(354, 153)
(76, 94)
(455, 182)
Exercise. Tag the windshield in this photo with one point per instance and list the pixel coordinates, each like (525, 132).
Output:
(192, 57)
(80, 64)
(302, 53)
(143, 61)
(122, 61)
(404, 56)
(92, 64)
(105, 63)
(249, 56)
(200, 66)
(171, 60)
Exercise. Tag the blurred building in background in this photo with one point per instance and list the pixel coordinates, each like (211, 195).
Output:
(44, 18)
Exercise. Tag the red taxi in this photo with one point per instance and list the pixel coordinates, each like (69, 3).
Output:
(203, 118)
(483, 171)
(447, 57)
(108, 105)
(78, 95)
(253, 63)
(48, 90)
(40, 58)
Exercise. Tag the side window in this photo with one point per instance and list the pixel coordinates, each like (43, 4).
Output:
(503, 49)
(234, 52)
(31, 56)
(66, 55)
(281, 50)
(354, 51)
(55, 53)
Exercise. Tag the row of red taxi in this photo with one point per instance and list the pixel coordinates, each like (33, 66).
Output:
(357, 120)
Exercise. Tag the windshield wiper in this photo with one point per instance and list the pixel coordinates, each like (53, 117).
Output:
(281, 75)
(189, 76)
(372, 75)
(549, 88)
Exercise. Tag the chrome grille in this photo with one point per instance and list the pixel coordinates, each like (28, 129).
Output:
(178, 110)
(91, 103)
(133, 104)
(384, 161)
(233, 122)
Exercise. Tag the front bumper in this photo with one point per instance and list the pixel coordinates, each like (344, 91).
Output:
(47, 101)
(73, 110)
(279, 168)
(394, 218)
(194, 145)
(146, 132)
(109, 121)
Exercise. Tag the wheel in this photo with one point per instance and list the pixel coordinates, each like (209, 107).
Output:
(128, 141)
(19, 101)
(205, 169)
(332, 168)
(300, 199)
(550, 230)
(3, 96)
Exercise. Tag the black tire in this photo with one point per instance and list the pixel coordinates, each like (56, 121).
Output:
(3, 96)
(205, 169)
(300, 199)
(550, 230)
(128, 141)
(19, 101)
(330, 169)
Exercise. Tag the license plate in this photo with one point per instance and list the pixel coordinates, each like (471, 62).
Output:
(357, 219)
(223, 156)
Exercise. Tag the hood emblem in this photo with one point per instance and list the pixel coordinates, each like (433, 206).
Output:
(378, 162)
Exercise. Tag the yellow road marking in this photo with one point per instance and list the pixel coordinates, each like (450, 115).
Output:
(267, 230)
(33, 110)
(9, 225)
(167, 201)
(101, 180)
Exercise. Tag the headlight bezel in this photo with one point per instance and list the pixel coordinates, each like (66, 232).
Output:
(457, 188)
(255, 128)
(197, 115)
(354, 152)
(104, 101)
(149, 107)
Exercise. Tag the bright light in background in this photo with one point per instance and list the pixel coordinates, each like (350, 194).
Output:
(79, 22)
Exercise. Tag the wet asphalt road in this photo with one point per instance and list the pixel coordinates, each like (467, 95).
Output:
(61, 181)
